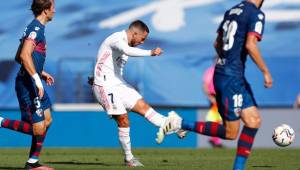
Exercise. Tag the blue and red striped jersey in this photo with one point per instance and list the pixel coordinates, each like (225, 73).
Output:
(239, 21)
(35, 32)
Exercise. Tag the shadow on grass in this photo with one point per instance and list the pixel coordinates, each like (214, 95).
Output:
(3, 167)
(77, 163)
(263, 166)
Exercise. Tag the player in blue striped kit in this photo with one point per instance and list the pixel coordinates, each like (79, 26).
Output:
(33, 99)
(238, 34)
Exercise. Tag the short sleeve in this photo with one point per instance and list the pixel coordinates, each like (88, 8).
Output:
(256, 24)
(34, 34)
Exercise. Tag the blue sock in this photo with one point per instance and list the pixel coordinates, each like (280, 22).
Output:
(188, 125)
(239, 163)
(244, 147)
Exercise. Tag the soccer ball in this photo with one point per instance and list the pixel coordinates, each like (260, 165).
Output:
(283, 135)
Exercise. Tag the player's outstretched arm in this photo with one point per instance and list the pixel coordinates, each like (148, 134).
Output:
(131, 51)
(253, 50)
(26, 60)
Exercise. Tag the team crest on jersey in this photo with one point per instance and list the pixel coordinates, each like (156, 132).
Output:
(39, 112)
(37, 28)
(32, 35)
(260, 16)
(237, 111)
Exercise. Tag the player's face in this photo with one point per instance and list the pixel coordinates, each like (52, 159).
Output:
(51, 11)
(138, 38)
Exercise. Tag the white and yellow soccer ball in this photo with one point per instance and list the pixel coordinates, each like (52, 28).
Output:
(283, 135)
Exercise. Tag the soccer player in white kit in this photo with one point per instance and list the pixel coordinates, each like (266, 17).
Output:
(113, 93)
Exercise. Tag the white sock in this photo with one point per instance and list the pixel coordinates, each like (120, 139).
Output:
(32, 160)
(1, 119)
(124, 139)
(154, 117)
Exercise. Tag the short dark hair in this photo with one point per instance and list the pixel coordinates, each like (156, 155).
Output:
(139, 25)
(38, 6)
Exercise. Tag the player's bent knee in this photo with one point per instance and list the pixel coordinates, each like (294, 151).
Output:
(39, 128)
(141, 106)
(39, 131)
(253, 122)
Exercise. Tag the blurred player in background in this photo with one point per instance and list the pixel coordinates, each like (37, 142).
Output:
(297, 102)
(238, 34)
(212, 114)
(113, 93)
(33, 99)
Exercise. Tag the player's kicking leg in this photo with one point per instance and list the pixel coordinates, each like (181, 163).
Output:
(153, 116)
(175, 122)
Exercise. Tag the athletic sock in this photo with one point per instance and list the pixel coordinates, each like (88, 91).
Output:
(36, 146)
(205, 128)
(17, 125)
(32, 160)
(244, 146)
(154, 117)
(124, 139)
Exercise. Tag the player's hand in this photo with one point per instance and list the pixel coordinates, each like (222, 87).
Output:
(48, 78)
(268, 80)
(156, 52)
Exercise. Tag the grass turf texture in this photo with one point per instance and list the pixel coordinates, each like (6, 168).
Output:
(204, 159)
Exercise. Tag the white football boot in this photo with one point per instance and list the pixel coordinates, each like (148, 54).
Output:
(171, 125)
(134, 162)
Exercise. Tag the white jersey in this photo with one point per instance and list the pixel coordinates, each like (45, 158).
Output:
(112, 57)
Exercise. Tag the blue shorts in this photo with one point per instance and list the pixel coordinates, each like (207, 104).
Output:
(233, 94)
(32, 108)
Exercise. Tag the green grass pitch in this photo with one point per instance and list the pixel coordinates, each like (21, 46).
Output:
(158, 159)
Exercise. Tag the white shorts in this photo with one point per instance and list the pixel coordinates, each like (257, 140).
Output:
(118, 99)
